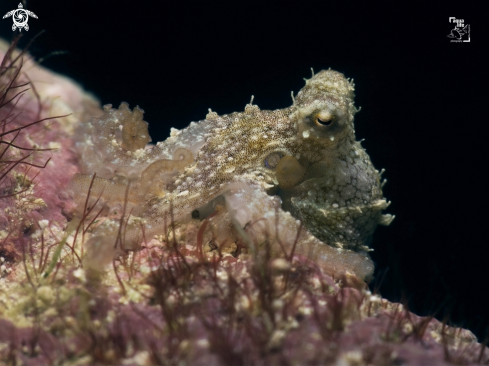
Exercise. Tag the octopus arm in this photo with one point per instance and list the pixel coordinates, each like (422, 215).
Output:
(264, 219)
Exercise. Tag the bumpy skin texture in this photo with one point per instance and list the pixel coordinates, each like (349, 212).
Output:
(340, 198)
(306, 154)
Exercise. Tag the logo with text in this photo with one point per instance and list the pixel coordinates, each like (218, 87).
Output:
(20, 17)
(460, 33)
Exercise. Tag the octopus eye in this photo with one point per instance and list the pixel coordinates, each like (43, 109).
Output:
(324, 121)
(272, 159)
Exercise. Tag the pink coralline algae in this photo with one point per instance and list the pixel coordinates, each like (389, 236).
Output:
(235, 281)
(37, 159)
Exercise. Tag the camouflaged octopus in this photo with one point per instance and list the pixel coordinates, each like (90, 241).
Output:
(275, 168)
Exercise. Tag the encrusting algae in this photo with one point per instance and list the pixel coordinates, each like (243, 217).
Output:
(298, 164)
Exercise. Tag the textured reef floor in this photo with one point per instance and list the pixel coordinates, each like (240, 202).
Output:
(178, 300)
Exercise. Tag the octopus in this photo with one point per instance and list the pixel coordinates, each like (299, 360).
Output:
(296, 177)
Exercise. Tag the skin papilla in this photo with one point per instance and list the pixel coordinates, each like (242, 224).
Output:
(300, 164)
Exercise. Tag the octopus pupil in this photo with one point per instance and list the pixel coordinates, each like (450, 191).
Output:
(324, 123)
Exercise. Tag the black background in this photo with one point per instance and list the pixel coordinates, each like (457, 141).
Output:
(424, 105)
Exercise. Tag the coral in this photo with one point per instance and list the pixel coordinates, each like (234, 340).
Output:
(210, 290)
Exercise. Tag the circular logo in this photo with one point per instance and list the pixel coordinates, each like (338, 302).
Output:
(20, 17)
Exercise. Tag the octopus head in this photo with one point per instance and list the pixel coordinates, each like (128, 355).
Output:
(328, 181)
(325, 109)
(323, 118)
